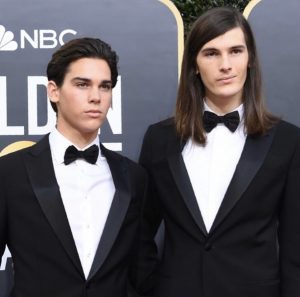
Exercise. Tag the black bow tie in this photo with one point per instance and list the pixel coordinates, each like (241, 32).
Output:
(90, 154)
(230, 120)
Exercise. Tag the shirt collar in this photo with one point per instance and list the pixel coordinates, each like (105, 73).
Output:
(59, 143)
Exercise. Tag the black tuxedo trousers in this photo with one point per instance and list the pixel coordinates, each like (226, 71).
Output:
(253, 247)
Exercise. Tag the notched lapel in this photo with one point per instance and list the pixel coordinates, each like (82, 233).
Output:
(182, 180)
(118, 209)
(252, 158)
(41, 174)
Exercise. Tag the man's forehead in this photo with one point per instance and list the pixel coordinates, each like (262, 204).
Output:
(88, 67)
(232, 38)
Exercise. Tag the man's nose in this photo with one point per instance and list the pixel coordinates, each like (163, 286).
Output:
(225, 63)
(95, 95)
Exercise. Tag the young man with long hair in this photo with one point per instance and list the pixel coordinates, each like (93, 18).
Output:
(223, 176)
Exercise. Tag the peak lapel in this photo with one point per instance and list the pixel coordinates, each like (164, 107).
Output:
(252, 158)
(118, 210)
(41, 174)
(181, 177)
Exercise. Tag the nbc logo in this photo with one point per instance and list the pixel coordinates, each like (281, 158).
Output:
(37, 38)
(6, 40)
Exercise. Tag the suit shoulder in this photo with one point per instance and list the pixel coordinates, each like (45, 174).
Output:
(110, 154)
(37, 147)
(160, 139)
(165, 125)
(287, 130)
(12, 162)
(15, 155)
(286, 137)
(161, 131)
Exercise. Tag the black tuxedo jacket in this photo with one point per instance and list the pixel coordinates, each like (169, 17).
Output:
(253, 247)
(34, 225)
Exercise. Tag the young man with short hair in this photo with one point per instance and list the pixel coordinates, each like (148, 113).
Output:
(69, 207)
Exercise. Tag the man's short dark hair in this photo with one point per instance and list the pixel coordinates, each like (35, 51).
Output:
(76, 49)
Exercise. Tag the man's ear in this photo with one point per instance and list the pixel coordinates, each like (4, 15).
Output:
(53, 91)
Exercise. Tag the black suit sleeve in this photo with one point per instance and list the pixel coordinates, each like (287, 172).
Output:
(3, 219)
(140, 183)
(289, 231)
(150, 222)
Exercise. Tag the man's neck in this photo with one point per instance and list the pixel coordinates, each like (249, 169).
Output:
(78, 139)
(222, 107)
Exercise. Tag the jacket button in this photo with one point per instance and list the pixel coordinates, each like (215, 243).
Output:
(208, 246)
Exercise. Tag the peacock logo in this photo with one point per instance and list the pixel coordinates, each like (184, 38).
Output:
(6, 40)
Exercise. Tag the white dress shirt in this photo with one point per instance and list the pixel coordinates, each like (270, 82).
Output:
(87, 192)
(211, 167)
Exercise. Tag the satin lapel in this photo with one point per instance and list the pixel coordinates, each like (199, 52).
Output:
(252, 158)
(182, 180)
(41, 174)
(118, 209)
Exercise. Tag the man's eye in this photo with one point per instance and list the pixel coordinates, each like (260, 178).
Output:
(105, 87)
(82, 85)
(236, 51)
(210, 54)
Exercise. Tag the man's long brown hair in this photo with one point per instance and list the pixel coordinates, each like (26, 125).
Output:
(191, 91)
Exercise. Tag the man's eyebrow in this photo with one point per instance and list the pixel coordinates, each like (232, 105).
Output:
(105, 81)
(239, 46)
(242, 46)
(207, 49)
(81, 78)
